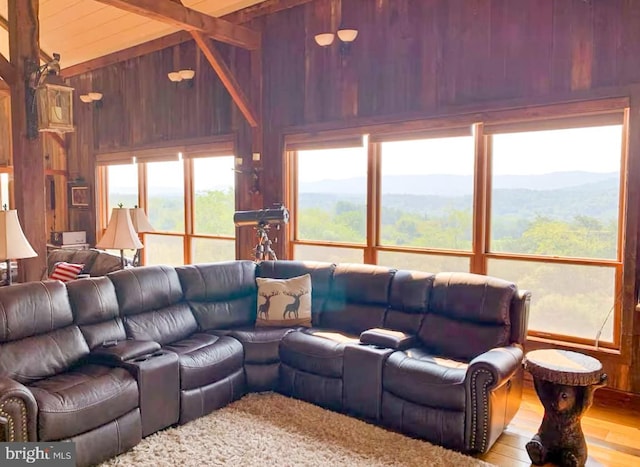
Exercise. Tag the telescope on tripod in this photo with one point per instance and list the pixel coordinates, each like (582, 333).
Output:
(262, 220)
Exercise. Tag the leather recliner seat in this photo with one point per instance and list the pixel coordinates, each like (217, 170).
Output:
(43, 364)
(152, 304)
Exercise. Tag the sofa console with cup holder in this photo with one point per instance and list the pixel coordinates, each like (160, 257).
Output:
(434, 356)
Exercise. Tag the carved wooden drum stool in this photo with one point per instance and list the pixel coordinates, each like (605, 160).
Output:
(565, 382)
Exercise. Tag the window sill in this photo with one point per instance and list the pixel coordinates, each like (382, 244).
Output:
(601, 353)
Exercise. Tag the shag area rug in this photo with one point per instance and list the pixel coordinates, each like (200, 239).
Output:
(269, 429)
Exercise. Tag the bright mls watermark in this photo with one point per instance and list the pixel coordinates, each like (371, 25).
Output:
(59, 454)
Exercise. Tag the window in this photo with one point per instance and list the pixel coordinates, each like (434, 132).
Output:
(214, 205)
(427, 193)
(190, 200)
(539, 202)
(332, 195)
(165, 192)
(123, 186)
(555, 198)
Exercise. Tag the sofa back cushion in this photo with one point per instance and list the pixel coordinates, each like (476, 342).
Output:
(468, 315)
(151, 304)
(321, 276)
(221, 295)
(408, 300)
(104, 263)
(37, 334)
(359, 298)
(95, 309)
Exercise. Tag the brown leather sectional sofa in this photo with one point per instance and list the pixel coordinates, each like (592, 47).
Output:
(106, 361)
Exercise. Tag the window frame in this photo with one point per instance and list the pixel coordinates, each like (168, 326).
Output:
(568, 115)
(218, 146)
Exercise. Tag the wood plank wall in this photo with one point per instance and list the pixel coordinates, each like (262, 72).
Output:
(411, 57)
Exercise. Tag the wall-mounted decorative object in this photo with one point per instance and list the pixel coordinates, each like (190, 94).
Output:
(79, 196)
(253, 172)
(49, 100)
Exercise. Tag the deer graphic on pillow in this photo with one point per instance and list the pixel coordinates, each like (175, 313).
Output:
(263, 310)
(292, 308)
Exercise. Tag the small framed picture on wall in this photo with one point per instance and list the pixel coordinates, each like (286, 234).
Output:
(79, 196)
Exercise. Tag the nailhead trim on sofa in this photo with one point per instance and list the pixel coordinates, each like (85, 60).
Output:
(10, 421)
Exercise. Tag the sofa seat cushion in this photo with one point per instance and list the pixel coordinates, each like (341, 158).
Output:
(205, 359)
(260, 344)
(423, 378)
(82, 399)
(317, 351)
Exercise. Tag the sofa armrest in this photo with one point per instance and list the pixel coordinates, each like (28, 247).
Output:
(500, 362)
(488, 386)
(116, 352)
(387, 338)
(18, 412)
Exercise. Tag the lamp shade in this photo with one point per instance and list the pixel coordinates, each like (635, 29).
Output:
(13, 243)
(120, 234)
(347, 35)
(187, 74)
(140, 221)
(324, 39)
(174, 76)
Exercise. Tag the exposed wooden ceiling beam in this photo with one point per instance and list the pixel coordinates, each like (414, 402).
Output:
(185, 18)
(226, 76)
(238, 17)
(127, 54)
(44, 56)
(7, 70)
(267, 7)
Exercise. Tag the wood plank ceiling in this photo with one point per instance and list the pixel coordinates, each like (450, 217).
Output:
(81, 30)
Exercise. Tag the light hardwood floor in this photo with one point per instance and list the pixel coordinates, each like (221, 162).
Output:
(613, 435)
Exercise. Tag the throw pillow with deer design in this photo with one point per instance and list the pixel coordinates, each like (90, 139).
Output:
(284, 302)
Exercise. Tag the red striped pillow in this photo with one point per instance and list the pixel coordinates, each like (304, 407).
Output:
(66, 272)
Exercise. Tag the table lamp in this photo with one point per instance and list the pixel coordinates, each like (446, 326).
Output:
(13, 243)
(120, 234)
(141, 224)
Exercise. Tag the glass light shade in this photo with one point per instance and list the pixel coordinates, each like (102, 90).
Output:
(174, 76)
(324, 39)
(86, 98)
(95, 96)
(120, 234)
(140, 221)
(187, 74)
(347, 35)
(13, 243)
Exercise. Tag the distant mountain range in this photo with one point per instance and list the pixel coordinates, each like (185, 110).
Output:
(459, 185)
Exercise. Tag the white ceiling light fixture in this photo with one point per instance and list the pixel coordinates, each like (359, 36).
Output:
(346, 36)
(174, 76)
(325, 39)
(186, 75)
(90, 97)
